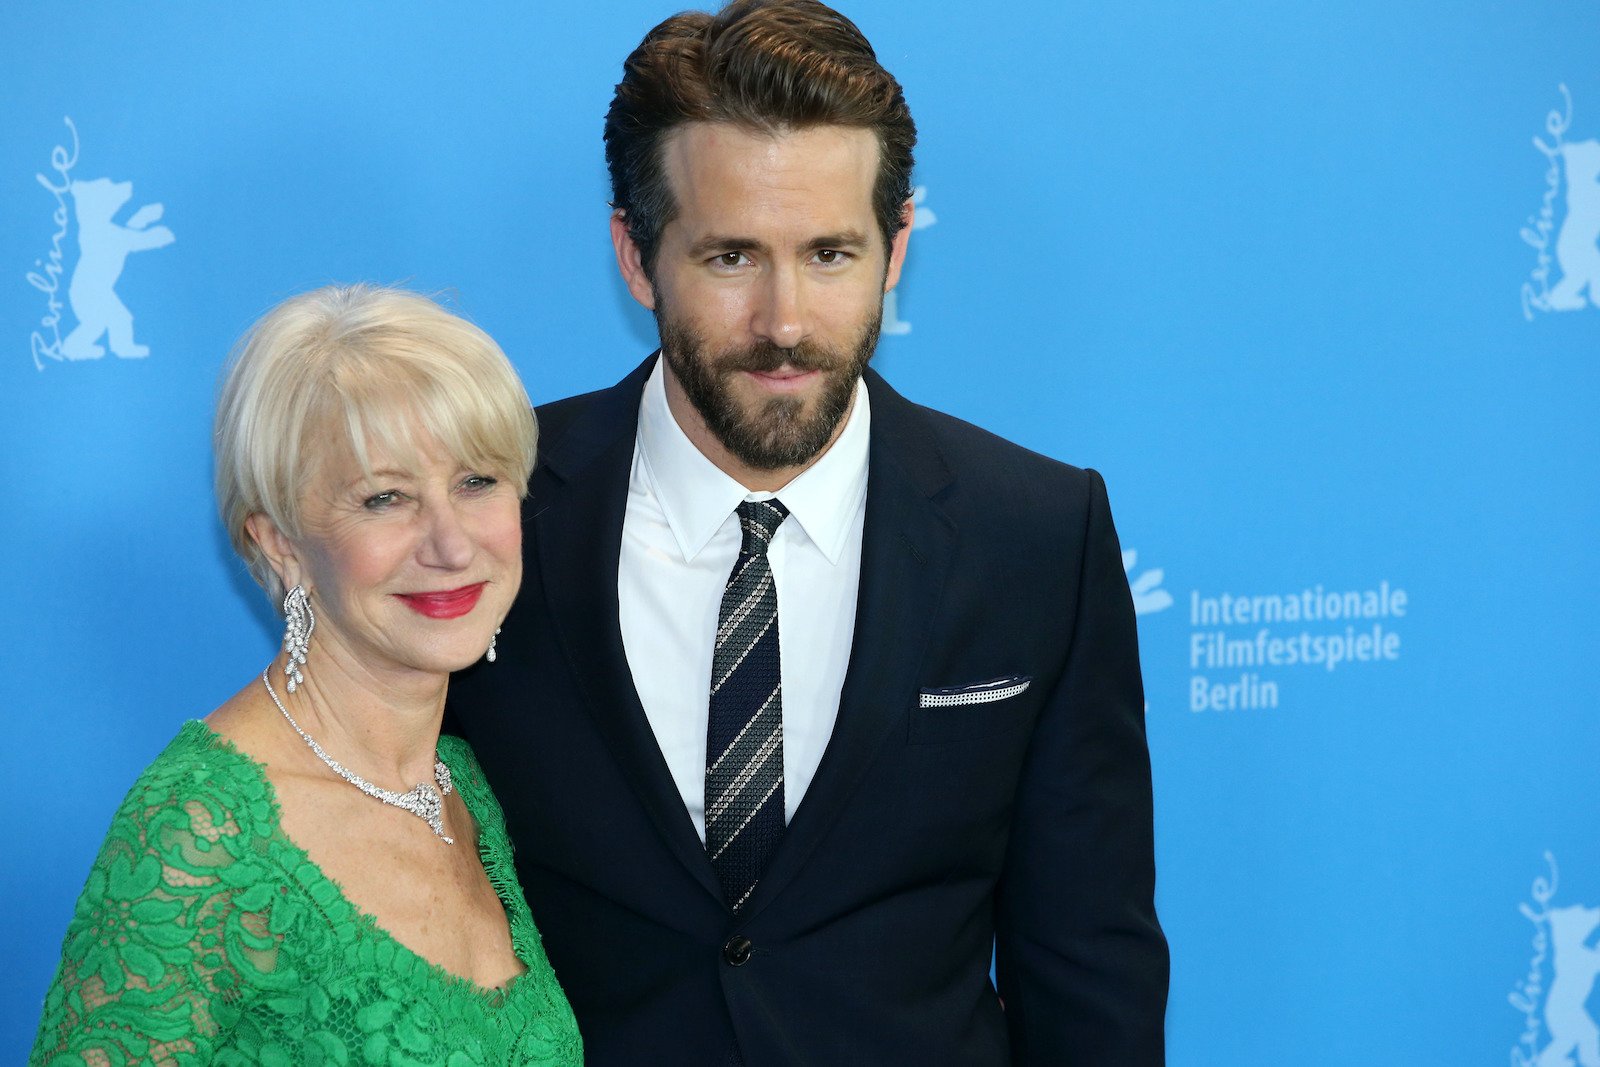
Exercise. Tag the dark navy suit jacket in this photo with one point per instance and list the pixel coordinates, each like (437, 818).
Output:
(929, 836)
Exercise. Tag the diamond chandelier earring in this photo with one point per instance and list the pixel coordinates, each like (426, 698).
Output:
(489, 655)
(298, 622)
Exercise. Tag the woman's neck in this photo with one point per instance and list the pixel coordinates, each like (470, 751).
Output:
(382, 724)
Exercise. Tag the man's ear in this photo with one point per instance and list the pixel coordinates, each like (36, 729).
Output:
(897, 247)
(631, 262)
(278, 549)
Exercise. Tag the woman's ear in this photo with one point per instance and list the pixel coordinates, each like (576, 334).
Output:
(277, 547)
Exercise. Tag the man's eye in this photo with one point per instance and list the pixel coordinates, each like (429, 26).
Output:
(379, 501)
(730, 260)
(831, 256)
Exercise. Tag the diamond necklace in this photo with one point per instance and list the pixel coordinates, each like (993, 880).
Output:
(423, 800)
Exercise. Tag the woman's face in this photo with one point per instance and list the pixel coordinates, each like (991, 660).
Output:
(409, 569)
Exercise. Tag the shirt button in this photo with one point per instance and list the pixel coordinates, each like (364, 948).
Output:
(737, 950)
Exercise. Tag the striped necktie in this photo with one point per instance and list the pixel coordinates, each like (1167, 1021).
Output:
(744, 731)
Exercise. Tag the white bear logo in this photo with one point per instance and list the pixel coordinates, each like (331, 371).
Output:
(103, 247)
(1563, 948)
(1578, 243)
(1577, 964)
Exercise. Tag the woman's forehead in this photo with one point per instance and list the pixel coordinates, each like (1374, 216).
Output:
(399, 442)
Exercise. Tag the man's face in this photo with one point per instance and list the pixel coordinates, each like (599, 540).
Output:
(768, 284)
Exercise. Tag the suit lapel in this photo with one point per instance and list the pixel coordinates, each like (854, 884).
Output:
(577, 528)
(906, 547)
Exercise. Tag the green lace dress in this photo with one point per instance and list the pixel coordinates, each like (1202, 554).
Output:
(205, 936)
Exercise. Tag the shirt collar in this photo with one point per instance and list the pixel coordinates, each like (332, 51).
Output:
(697, 497)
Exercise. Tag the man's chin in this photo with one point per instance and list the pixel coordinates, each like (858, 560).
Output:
(771, 410)
(775, 430)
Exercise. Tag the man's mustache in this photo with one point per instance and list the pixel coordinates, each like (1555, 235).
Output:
(764, 357)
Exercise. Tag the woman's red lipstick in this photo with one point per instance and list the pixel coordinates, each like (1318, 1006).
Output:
(449, 604)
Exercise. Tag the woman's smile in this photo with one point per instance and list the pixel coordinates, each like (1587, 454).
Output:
(446, 604)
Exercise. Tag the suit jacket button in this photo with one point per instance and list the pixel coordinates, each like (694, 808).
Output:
(737, 950)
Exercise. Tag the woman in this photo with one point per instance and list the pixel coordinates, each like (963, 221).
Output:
(294, 880)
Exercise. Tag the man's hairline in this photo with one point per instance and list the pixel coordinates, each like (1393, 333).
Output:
(670, 208)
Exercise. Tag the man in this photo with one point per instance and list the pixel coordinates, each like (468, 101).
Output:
(812, 697)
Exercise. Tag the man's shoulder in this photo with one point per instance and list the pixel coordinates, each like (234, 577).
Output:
(981, 461)
(575, 422)
(555, 416)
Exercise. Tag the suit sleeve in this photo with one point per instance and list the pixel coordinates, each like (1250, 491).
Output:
(1081, 962)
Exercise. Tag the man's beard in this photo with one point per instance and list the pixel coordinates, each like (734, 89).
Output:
(779, 433)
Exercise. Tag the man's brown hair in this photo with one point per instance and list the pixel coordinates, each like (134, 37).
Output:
(767, 65)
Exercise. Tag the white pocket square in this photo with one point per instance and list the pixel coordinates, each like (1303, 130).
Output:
(980, 693)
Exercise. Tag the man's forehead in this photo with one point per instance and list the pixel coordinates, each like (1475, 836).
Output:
(728, 171)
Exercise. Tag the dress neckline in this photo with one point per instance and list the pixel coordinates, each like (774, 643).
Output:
(494, 853)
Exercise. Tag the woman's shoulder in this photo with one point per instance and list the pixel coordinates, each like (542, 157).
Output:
(199, 824)
(195, 747)
(189, 857)
(199, 768)
(199, 807)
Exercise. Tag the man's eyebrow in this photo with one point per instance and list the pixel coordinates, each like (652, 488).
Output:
(714, 243)
(844, 239)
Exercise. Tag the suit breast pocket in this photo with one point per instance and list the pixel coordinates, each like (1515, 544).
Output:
(966, 712)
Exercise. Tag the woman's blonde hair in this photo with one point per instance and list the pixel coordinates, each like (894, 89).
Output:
(366, 369)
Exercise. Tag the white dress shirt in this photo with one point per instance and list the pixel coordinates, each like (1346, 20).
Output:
(680, 538)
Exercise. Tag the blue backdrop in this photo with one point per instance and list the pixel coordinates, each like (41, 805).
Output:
(1314, 286)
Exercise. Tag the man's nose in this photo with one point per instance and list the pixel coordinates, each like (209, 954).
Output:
(780, 311)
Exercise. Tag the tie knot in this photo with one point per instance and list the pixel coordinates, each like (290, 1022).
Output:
(758, 521)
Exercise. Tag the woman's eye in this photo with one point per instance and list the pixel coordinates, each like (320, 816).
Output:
(479, 482)
(379, 501)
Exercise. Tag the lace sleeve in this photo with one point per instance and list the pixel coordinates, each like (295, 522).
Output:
(174, 926)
